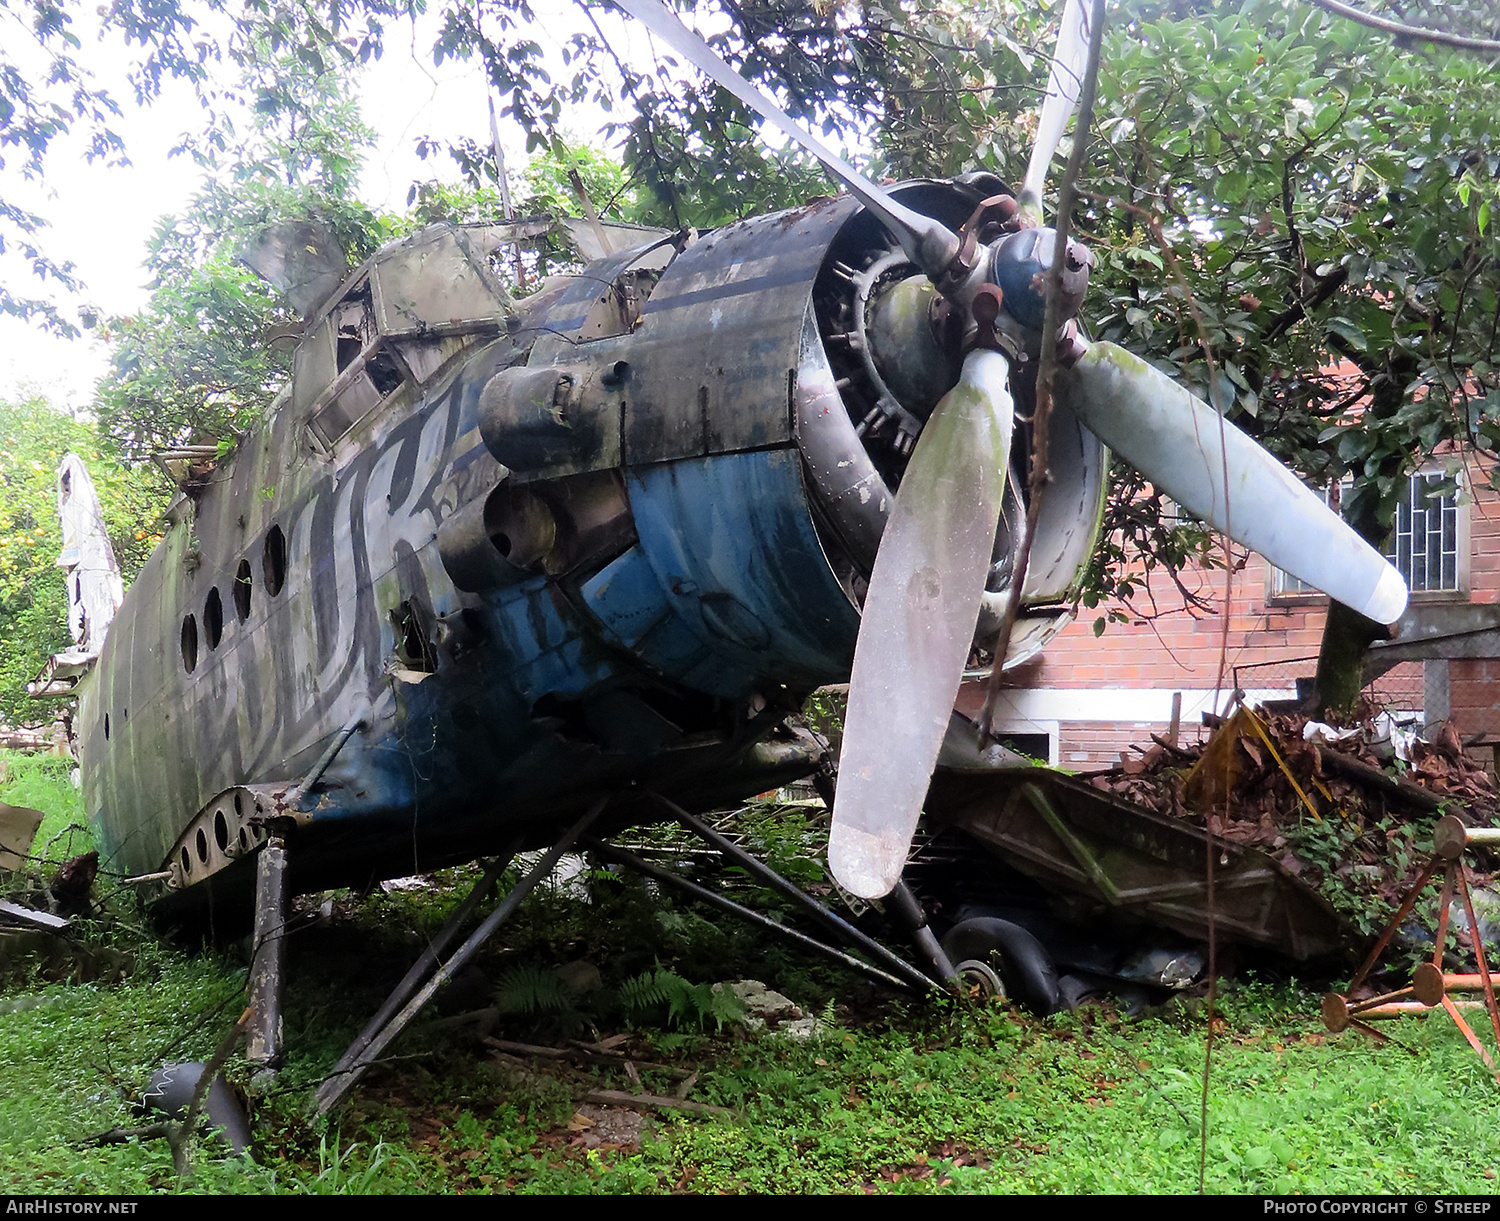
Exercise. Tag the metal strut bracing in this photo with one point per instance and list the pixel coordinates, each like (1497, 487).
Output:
(910, 977)
(426, 962)
(412, 994)
(268, 959)
(376, 1038)
(836, 925)
(1431, 986)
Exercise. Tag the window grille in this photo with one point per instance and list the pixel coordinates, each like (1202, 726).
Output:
(1424, 546)
(1283, 583)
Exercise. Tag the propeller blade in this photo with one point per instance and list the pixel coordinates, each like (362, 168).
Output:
(918, 625)
(929, 244)
(1172, 437)
(1064, 83)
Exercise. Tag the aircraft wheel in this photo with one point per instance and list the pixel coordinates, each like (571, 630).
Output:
(978, 974)
(1019, 959)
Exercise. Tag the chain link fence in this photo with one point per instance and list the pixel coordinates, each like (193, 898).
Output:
(1399, 689)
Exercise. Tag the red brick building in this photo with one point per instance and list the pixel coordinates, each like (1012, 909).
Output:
(1086, 698)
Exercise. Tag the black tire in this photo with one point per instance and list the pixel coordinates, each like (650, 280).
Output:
(1024, 965)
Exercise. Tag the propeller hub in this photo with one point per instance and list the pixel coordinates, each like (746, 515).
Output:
(1019, 264)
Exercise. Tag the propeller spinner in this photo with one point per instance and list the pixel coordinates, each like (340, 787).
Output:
(930, 570)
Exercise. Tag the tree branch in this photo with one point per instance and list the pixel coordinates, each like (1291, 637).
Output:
(1289, 317)
(1047, 362)
(1459, 41)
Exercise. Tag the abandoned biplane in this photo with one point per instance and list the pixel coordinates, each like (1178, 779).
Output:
(495, 572)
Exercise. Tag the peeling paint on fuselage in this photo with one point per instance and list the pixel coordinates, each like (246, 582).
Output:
(747, 604)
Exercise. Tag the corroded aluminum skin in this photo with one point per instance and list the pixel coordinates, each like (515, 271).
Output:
(725, 596)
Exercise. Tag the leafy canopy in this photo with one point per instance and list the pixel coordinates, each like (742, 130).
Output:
(33, 601)
(1292, 212)
(212, 348)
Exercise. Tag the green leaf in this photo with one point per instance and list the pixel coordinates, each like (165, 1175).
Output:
(1483, 218)
(1348, 332)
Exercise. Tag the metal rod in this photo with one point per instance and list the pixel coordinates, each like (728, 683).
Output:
(1406, 905)
(1445, 901)
(1077, 849)
(1474, 936)
(835, 924)
(338, 1085)
(427, 960)
(1379, 1036)
(1453, 1011)
(1396, 1009)
(667, 877)
(1360, 1008)
(142, 878)
(1451, 835)
(298, 791)
(268, 960)
(911, 912)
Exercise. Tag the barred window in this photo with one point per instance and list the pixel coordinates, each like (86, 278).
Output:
(1283, 583)
(1424, 547)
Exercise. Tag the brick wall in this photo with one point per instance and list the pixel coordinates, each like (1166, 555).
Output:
(1269, 643)
(1474, 696)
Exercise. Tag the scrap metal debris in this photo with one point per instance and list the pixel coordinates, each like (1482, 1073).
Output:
(18, 828)
(24, 917)
(1320, 801)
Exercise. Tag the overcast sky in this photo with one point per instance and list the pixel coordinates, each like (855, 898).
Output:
(101, 216)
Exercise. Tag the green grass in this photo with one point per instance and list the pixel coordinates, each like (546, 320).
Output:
(894, 1097)
(44, 783)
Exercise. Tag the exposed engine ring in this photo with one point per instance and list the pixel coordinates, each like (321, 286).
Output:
(856, 435)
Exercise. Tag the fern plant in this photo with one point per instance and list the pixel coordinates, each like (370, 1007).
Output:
(686, 1003)
(530, 989)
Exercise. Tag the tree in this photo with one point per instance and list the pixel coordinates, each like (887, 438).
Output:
(1290, 211)
(1326, 198)
(48, 87)
(33, 602)
(212, 347)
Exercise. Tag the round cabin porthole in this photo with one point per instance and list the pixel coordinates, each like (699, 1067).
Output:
(221, 830)
(273, 562)
(202, 842)
(190, 644)
(213, 618)
(242, 591)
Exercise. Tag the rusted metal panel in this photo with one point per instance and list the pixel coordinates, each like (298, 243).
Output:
(18, 828)
(1074, 839)
(712, 361)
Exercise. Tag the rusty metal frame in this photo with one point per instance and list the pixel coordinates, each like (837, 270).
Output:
(1080, 841)
(835, 924)
(1431, 986)
(910, 977)
(353, 1063)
